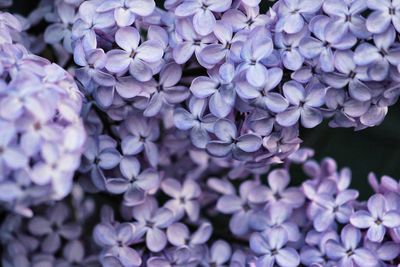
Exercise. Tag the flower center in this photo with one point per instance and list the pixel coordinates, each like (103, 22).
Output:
(250, 22)
(204, 7)
(277, 196)
(350, 253)
(246, 207)
(392, 11)
(37, 126)
(295, 11)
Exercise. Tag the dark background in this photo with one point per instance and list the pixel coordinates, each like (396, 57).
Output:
(375, 149)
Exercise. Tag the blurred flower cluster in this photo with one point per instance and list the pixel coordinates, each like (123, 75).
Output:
(41, 132)
(272, 222)
(171, 121)
(54, 237)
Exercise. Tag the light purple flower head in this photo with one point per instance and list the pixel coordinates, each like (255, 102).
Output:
(271, 249)
(377, 219)
(125, 11)
(383, 16)
(291, 14)
(42, 134)
(347, 251)
(202, 13)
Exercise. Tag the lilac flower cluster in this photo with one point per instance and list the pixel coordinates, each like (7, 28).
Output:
(271, 222)
(164, 152)
(53, 238)
(41, 132)
(238, 82)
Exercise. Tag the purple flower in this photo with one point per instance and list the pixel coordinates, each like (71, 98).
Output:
(53, 227)
(179, 235)
(100, 154)
(195, 121)
(134, 57)
(88, 22)
(315, 254)
(380, 57)
(320, 47)
(291, 14)
(253, 52)
(304, 104)
(288, 45)
(11, 156)
(282, 143)
(347, 252)
(270, 249)
(387, 184)
(116, 241)
(10, 25)
(227, 49)
(126, 11)
(275, 215)
(218, 255)
(184, 197)
(141, 135)
(239, 206)
(92, 63)
(202, 12)
(189, 42)
(265, 98)
(74, 254)
(126, 87)
(222, 94)
(278, 180)
(384, 13)
(167, 92)
(151, 221)
(174, 257)
(134, 185)
(61, 31)
(333, 208)
(248, 19)
(348, 73)
(345, 19)
(230, 143)
(376, 219)
(385, 251)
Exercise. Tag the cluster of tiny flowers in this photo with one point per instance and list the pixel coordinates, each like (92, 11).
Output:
(271, 222)
(239, 83)
(55, 237)
(41, 132)
(173, 139)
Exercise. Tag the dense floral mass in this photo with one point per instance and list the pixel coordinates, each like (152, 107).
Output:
(41, 133)
(170, 121)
